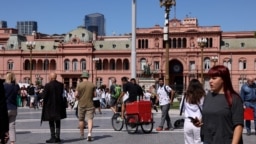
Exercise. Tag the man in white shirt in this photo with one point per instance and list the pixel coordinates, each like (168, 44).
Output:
(164, 96)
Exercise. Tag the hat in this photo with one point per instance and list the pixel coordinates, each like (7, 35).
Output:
(85, 75)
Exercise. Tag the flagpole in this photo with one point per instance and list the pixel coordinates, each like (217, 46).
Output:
(133, 51)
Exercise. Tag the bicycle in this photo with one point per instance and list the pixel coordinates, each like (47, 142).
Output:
(137, 113)
(117, 124)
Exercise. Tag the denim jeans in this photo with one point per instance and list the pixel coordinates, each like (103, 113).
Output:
(248, 122)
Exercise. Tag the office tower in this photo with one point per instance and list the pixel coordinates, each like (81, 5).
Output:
(26, 27)
(95, 23)
(3, 24)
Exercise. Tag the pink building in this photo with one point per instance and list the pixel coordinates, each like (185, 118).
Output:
(110, 56)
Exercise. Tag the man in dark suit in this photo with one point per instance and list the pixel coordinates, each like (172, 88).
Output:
(54, 107)
(4, 122)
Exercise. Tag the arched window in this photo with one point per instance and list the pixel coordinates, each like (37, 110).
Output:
(27, 65)
(143, 63)
(10, 65)
(46, 64)
(210, 42)
(179, 42)
(174, 43)
(229, 65)
(139, 43)
(52, 65)
(112, 64)
(66, 64)
(83, 65)
(207, 63)
(99, 64)
(146, 43)
(143, 43)
(74, 65)
(126, 64)
(184, 42)
(242, 64)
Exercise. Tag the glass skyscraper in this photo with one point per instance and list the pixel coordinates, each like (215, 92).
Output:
(26, 27)
(95, 23)
(3, 24)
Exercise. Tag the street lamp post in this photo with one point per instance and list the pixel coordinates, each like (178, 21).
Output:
(214, 60)
(167, 4)
(30, 46)
(202, 42)
(96, 64)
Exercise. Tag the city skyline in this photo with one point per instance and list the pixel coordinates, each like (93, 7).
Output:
(55, 17)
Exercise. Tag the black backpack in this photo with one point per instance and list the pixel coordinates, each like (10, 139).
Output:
(179, 124)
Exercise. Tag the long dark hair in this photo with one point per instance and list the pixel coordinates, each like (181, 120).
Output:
(194, 92)
(223, 72)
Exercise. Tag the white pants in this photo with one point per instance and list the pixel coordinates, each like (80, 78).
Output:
(191, 133)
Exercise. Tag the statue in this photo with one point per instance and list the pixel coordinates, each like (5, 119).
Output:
(147, 70)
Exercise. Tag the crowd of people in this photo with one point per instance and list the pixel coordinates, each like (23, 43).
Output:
(31, 96)
(215, 116)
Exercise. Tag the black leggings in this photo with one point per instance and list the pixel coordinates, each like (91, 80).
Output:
(55, 124)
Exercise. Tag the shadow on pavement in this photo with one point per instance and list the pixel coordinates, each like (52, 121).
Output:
(71, 140)
(94, 138)
(101, 137)
(23, 132)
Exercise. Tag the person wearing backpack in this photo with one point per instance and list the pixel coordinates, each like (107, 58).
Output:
(115, 91)
(164, 96)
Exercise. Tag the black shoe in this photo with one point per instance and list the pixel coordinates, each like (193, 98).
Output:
(51, 140)
(57, 140)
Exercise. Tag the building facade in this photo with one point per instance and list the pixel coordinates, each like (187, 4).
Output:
(110, 56)
(26, 27)
(95, 23)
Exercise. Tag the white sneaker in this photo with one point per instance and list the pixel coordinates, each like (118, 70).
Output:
(120, 119)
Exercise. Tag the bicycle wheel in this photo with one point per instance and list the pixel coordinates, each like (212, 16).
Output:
(147, 127)
(117, 124)
(132, 124)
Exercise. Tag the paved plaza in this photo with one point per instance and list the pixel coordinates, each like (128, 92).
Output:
(29, 130)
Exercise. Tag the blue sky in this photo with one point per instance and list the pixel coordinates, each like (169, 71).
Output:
(62, 16)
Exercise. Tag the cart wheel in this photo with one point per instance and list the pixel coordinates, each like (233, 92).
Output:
(147, 127)
(132, 124)
(117, 124)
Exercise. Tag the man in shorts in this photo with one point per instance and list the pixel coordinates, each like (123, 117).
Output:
(113, 100)
(85, 91)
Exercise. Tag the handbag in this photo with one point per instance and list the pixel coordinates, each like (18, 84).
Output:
(248, 114)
